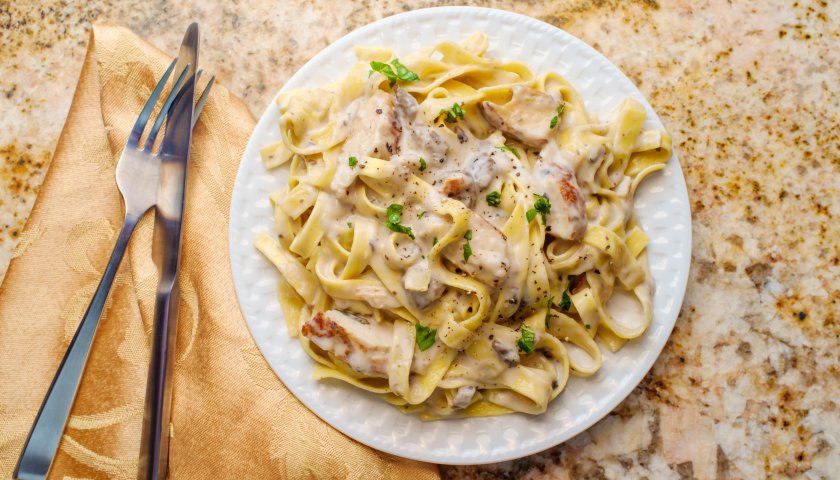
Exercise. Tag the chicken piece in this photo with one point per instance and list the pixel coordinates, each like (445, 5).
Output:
(417, 139)
(466, 184)
(364, 346)
(488, 262)
(557, 180)
(377, 296)
(526, 117)
(463, 396)
(460, 186)
(506, 351)
(374, 132)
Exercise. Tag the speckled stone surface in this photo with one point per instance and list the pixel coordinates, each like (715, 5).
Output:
(748, 385)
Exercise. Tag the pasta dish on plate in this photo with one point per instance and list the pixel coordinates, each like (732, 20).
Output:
(456, 232)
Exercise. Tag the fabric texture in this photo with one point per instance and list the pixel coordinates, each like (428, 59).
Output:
(231, 416)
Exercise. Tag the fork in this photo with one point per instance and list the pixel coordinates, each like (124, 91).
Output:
(137, 175)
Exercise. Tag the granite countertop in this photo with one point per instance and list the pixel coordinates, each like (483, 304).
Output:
(748, 385)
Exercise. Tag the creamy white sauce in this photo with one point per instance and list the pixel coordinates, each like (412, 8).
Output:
(458, 165)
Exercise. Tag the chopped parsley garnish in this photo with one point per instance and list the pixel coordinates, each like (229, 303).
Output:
(404, 73)
(530, 214)
(424, 336)
(494, 199)
(588, 326)
(512, 150)
(423, 164)
(349, 225)
(548, 312)
(453, 114)
(566, 302)
(526, 340)
(467, 247)
(457, 111)
(401, 73)
(421, 214)
(541, 206)
(556, 118)
(434, 241)
(394, 212)
(353, 161)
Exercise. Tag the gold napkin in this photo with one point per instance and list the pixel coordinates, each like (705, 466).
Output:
(231, 416)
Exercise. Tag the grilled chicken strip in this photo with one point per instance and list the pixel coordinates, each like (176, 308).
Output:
(362, 345)
(526, 117)
(374, 132)
(556, 179)
(488, 262)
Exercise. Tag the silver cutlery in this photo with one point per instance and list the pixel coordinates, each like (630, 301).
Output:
(138, 174)
(169, 214)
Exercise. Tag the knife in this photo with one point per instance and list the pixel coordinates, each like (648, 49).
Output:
(169, 214)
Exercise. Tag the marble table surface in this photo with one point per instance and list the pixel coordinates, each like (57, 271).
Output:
(749, 383)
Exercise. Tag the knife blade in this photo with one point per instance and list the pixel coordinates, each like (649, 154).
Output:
(169, 213)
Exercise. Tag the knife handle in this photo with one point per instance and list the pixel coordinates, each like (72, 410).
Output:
(154, 450)
(42, 443)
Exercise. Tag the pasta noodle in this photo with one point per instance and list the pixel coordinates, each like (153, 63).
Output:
(457, 234)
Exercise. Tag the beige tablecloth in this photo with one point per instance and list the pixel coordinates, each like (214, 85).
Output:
(231, 416)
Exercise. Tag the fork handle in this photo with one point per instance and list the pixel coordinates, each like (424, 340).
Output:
(40, 447)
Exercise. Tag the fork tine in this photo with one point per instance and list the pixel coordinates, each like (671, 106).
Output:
(203, 99)
(164, 111)
(143, 118)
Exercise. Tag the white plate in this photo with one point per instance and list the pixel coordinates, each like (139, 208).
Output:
(662, 204)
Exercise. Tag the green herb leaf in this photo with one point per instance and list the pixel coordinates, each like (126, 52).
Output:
(512, 150)
(424, 336)
(401, 229)
(403, 73)
(394, 212)
(423, 164)
(561, 109)
(553, 121)
(566, 302)
(543, 206)
(457, 111)
(467, 246)
(421, 214)
(349, 225)
(453, 114)
(548, 312)
(588, 326)
(384, 69)
(494, 199)
(530, 214)
(434, 241)
(526, 339)
(353, 161)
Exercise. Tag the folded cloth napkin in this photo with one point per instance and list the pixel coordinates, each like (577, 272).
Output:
(231, 416)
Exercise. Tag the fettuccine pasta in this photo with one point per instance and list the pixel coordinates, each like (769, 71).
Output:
(456, 232)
